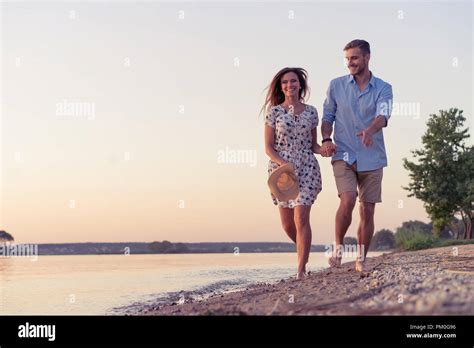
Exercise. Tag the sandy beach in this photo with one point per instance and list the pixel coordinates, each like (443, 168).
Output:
(426, 282)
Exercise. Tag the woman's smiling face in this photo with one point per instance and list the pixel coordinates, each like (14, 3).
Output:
(290, 84)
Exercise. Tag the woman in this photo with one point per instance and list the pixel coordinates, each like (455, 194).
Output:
(290, 137)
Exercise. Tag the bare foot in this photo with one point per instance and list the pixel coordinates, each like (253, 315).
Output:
(360, 266)
(302, 275)
(336, 257)
(335, 261)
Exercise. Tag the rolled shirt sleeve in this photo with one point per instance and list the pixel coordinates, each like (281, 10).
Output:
(384, 103)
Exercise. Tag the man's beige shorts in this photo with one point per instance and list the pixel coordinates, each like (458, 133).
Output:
(348, 180)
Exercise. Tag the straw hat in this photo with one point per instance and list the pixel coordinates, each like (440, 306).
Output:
(283, 182)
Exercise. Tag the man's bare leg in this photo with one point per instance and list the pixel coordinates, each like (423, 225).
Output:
(343, 221)
(364, 233)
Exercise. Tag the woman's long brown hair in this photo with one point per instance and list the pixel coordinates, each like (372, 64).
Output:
(275, 95)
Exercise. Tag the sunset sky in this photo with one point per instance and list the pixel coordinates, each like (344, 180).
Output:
(118, 119)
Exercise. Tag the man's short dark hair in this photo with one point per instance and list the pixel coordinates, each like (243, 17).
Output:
(362, 44)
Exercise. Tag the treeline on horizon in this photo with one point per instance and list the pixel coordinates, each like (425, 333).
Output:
(165, 247)
(411, 235)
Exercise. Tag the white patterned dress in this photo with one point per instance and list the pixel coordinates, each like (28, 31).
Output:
(293, 142)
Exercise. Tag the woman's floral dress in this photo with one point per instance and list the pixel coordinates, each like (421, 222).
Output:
(293, 142)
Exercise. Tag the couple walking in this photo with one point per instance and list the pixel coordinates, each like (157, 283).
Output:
(358, 105)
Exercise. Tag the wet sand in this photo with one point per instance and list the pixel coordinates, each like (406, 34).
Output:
(426, 282)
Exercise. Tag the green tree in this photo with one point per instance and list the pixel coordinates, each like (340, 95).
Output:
(466, 185)
(416, 225)
(443, 171)
(383, 240)
(454, 230)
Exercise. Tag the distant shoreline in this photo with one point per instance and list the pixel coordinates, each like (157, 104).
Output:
(92, 248)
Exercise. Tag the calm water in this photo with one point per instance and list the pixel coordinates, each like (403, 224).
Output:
(107, 284)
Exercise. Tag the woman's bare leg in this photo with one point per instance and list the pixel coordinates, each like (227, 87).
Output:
(303, 237)
(287, 216)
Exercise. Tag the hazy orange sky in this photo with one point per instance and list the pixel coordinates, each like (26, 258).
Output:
(119, 119)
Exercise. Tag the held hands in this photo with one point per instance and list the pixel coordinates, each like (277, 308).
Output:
(327, 149)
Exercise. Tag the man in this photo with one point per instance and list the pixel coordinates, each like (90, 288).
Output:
(360, 105)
